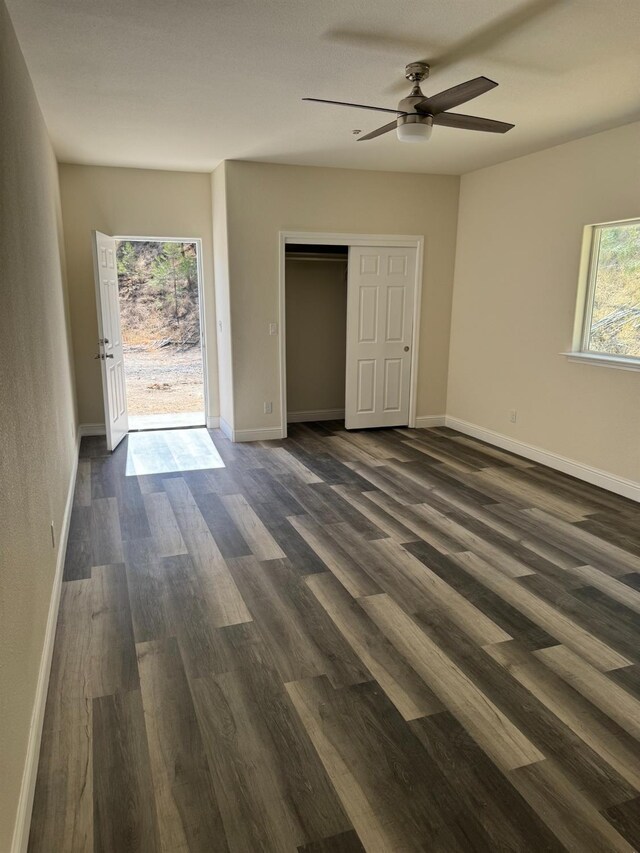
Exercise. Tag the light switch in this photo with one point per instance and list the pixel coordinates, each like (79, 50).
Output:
(273, 328)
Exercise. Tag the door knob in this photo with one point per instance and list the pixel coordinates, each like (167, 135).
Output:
(102, 356)
(406, 349)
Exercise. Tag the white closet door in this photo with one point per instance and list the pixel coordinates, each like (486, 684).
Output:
(110, 343)
(379, 336)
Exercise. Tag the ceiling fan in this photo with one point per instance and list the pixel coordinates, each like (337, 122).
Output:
(416, 114)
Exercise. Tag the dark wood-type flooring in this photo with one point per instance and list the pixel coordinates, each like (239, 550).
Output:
(390, 640)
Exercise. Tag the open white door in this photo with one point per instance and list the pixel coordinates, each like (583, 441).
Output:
(110, 339)
(380, 304)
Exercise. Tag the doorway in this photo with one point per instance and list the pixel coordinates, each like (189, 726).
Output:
(349, 320)
(160, 306)
(316, 329)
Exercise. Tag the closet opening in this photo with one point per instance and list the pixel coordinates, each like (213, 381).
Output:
(316, 330)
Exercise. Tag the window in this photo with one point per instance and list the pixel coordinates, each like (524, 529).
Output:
(608, 323)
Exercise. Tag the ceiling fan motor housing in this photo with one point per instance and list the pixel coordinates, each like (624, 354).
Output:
(416, 71)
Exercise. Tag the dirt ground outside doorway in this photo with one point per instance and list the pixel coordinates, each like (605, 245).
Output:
(163, 380)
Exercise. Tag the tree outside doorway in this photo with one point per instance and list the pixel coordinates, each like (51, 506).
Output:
(160, 320)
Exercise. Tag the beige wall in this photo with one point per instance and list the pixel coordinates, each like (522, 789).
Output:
(222, 301)
(128, 202)
(37, 410)
(263, 199)
(519, 239)
(316, 329)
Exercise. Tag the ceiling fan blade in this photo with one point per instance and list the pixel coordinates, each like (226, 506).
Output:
(384, 129)
(357, 106)
(472, 122)
(456, 95)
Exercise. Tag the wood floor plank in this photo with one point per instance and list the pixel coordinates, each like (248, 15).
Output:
(112, 664)
(615, 589)
(507, 819)
(186, 806)
(605, 694)
(223, 529)
(252, 529)
(585, 544)
(402, 685)
(163, 526)
(274, 605)
(147, 584)
(222, 594)
(191, 618)
(124, 810)
(626, 819)
(440, 595)
(552, 620)
(467, 540)
(611, 744)
(264, 806)
(490, 728)
(346, 728)
(569, 815)
(94, 651)
(506, 483)
(293, 466)
(420, 526)
(106, 539)
(586, 769)
(385, 522)
(63, 799)
(503, 614)
(82, 491)
(346, 842)
(354, 579)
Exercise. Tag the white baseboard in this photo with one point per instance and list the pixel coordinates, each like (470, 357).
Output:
(213, 422)
(595, 476)
(426, 421)
(260, 434)
(315, 415)
(91, 429)
(227, 429)
(257, 434)
(30, 772)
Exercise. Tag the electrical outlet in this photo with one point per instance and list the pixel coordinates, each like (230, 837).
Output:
(268, 408)
(273, 328)
(53, 536)
(513, 415)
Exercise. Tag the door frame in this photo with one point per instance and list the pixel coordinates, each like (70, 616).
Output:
(399, 241)
(201, 303)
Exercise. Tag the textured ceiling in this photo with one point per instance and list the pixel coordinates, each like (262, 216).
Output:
(183, 85)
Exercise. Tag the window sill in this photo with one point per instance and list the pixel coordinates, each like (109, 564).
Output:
(601, 360)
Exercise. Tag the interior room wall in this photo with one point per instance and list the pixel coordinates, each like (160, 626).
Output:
(316, 331)
(128, 202)
(517, 264)
(222, 300)
(37, 410)
(264, 199)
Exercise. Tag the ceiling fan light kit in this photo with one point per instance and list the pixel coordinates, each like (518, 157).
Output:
(416, 114)
(414, 128)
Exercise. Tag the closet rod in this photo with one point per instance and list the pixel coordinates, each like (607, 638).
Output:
(292, 256)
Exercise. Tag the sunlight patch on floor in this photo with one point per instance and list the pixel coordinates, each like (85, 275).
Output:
(169, 450)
